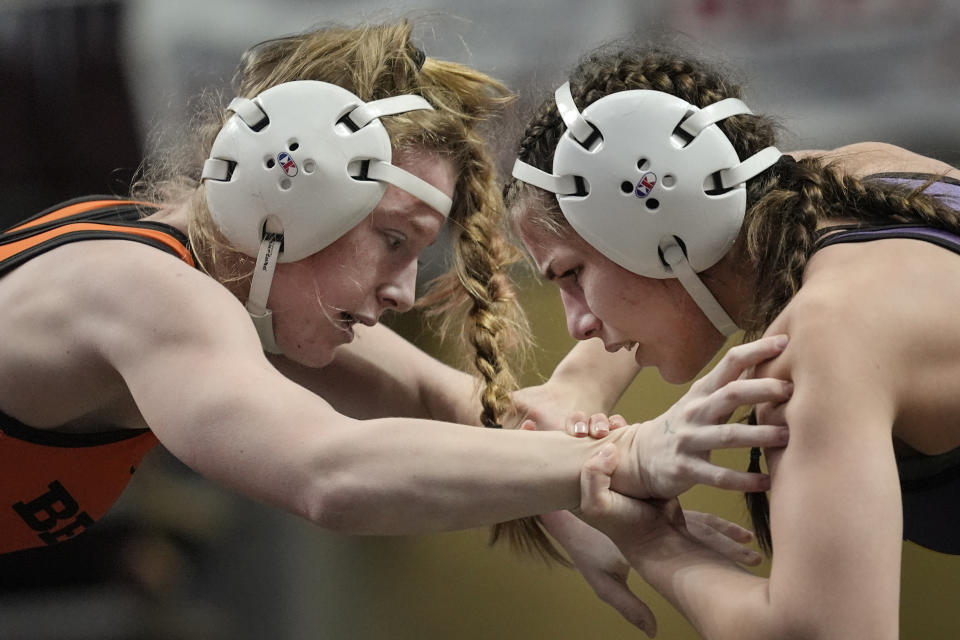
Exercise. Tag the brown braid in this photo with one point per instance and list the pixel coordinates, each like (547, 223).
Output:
(780, 226)
(780, 230)
(481, 255)
(785, 203)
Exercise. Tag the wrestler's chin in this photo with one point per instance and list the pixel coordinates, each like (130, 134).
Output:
(315, 357)
(673, 372)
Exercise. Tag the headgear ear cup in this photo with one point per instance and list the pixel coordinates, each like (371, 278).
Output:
(298, 166)
(294, 154)
(656, 195)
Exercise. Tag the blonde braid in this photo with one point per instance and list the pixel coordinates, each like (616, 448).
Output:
(780, 232)
(494, 322)
(380, 61)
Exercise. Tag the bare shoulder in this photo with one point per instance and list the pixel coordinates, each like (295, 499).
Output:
(75, 316)
(840, 362)
(826, 322)
(130, 290)
(876, 321)
(872, 292)
(867, 158)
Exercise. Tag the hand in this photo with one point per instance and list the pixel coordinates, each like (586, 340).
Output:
(545, 407)
(602, 566)
(670, 454)
(626, 520)
(587, 380)
(548, 407)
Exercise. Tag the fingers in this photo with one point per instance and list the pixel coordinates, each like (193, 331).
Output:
(598, 425)
(731, 530)
(743, 357)
(599, 468)
(733, 436)
(617, 421)
(721, 403)
(621, 598)
(715, 538)
(576, 424)
(702, 472)
(770, 413)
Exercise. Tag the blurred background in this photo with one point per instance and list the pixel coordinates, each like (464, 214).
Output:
(89, 86)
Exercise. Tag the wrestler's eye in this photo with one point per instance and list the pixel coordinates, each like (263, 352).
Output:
(394, 239)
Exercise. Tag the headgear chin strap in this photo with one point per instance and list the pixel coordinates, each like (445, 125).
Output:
(652, 183)
(295, 168)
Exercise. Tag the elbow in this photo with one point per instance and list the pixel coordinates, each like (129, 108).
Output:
(342, 503)
(331, 504)
(794, 624)
(760, 617)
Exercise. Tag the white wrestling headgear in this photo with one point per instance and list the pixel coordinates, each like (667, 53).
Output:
(298, 166)
(652, 183)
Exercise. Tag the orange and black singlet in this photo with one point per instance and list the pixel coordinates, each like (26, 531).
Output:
(55, 485)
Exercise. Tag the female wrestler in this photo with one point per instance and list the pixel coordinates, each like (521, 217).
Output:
(675, 221)
(297, 223)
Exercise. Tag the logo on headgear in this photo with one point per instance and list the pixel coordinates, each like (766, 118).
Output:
(646, 185)
(285, 160)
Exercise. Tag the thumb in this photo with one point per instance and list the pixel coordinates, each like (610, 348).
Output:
(605, 460)
(595, 481)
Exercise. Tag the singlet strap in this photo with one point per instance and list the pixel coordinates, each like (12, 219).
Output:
(917, 177)
(91, 218)
(85, 208)
(845, 233)
(16, 429)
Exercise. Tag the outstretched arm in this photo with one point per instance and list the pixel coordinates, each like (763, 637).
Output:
(200, 380)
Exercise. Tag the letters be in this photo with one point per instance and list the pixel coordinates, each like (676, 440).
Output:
(51, 509)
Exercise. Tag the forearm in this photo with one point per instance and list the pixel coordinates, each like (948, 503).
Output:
(724, 601)
(400, 476)
(718, 597)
